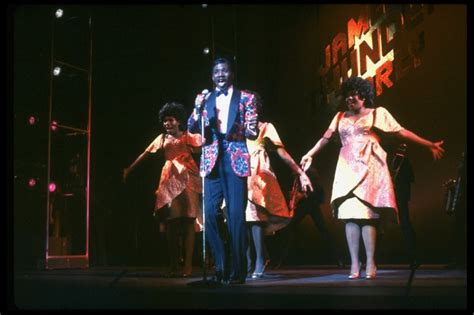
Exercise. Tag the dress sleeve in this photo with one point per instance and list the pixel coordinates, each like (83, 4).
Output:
(332, 127)
(385, 121)
(193, 139)
(270, 133)
(156, 145)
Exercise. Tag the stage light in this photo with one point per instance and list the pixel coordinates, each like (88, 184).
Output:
(57, 71)
(32, 182)
(205, 51)
(204, 5)
(32, 120)
(54, 125)
(52, 187)
(59, 13)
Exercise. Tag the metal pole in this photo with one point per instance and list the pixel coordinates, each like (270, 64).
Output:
(89, 141)
(49, 145)
(204, 267)
(204, 282)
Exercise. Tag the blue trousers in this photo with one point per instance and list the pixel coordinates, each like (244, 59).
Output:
(222, 183)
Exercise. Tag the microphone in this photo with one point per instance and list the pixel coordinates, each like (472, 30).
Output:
(206, 91)
(206, 97)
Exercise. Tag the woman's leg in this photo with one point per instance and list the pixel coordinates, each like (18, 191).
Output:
(257, 235)
(173, 246)
(189, 237)
(353, 240)
(266, 253)
(369, 235)
(250, 267)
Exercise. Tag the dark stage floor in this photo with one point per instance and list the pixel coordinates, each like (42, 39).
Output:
(296, 287)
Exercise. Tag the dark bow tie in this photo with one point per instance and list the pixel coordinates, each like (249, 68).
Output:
(219, 92)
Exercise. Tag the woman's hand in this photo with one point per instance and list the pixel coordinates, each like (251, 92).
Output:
(306, 161)
(126, 171)
(305, 182)
(436, 149)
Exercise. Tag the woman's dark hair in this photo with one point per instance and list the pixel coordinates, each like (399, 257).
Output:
(175, 110)
(363, 87)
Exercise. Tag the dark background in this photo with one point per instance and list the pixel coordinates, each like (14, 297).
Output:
(145, 56)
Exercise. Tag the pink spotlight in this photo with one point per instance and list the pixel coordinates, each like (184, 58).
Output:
(52, 187)
(32, 182)
(32, 120)
(54, 125)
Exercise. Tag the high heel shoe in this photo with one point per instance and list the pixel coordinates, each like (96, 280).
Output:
(355, 275)
(257, 275)
(370, 275)
(187, 272)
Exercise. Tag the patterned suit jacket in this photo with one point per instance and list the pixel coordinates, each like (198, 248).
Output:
(241, 124)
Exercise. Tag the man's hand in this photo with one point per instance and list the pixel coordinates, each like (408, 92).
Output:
(199, 101)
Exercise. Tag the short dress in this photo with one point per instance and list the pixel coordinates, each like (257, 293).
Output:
(362, 187)
(180, 184)
(266, 201)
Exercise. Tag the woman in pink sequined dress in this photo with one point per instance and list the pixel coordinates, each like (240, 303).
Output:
(362, 187)
(177, 195)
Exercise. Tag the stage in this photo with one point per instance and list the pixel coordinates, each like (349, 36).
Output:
(293, 287)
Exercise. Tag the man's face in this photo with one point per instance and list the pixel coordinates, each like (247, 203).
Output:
(222, 75)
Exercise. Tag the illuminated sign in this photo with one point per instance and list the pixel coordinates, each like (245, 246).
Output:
(382, 45)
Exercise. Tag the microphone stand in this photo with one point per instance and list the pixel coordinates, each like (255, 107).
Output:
(413, 268)
(204, 283)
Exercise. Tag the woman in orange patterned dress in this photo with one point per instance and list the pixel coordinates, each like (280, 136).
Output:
(177, 195)
(267, 209)
(362, 187)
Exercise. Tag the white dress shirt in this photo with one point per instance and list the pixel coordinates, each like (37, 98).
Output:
(222, 109)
